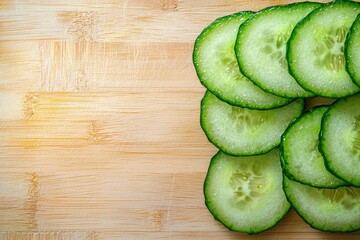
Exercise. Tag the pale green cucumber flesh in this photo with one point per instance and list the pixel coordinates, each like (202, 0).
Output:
(245, 193)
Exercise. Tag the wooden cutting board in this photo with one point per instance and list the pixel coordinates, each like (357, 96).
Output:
(99, 122)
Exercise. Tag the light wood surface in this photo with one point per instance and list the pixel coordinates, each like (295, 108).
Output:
(99, 122)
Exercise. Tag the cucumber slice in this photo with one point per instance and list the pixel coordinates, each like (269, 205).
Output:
(315, 50)
(242, 131)
(261, 48)
(244, 193)
(333, 210)
(352, 51)
(340, 139)
(216, 66)
(301, 158)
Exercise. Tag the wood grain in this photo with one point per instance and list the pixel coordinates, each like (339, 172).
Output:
(99, 122)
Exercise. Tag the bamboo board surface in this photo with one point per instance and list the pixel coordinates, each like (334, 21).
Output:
(99, 122)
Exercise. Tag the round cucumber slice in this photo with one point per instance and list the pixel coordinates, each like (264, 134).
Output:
(333, 210)
(245, 193)
(315, 50)
(352, 51)
(216, 66)
(340, 139)
(242, 131)
(261, 48)
(301, 158)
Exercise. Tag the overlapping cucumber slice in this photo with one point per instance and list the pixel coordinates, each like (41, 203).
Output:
(333, 210)
(242, 131)
(300, 156)
(340, 139)
(315, 50)
(261, 48)
(215, 63)
(245, 193)
(352, 51)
